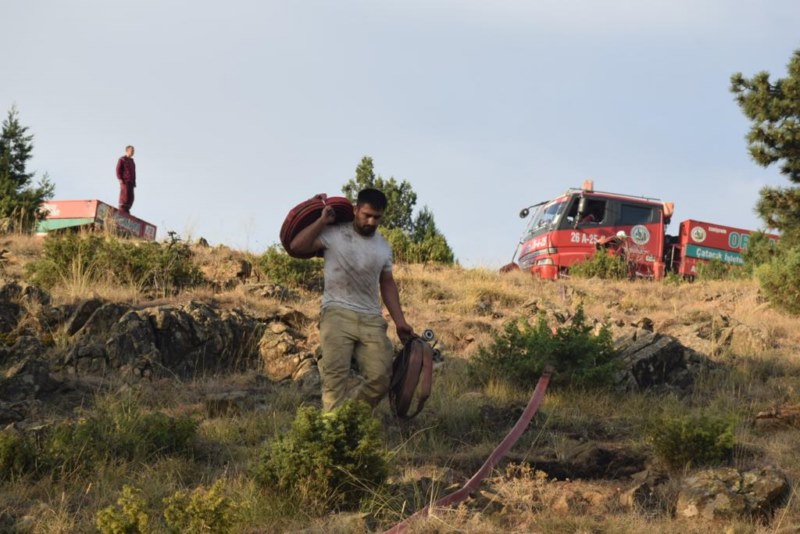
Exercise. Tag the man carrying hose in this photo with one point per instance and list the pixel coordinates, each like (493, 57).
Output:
(358, 268)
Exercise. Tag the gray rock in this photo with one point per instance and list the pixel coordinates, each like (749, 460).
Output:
(81, 314)
(129, 339)
(279, 351)
(27, 380)
(9, 316)
(100, 322)
(726, 493)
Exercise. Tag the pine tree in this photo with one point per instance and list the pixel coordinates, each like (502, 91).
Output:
(413, 239)
(774, 137)
(19, 199)
(401, 197)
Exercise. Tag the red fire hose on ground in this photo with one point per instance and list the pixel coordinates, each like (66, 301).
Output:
(501, 450)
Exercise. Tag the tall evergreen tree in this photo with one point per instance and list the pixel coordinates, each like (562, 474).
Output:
(401, 197)
(19, 198)
(413, 239)
(774, 137)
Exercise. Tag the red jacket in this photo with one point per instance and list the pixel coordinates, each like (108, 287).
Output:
(126, 170)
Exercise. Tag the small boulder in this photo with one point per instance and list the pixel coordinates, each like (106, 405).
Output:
(726, 493)
(28, 379)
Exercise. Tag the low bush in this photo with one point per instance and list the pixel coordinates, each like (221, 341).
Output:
(89, 258)
(601, 265)
(128, 516)
(780, 280)
(519, 354)
(327, 460)
(696, 440)
(286, 270)
(202, 510)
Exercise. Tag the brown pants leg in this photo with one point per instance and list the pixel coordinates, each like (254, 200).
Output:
(345, 335)
(125, 197)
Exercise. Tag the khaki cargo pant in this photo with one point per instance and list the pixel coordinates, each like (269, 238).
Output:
(344, 335)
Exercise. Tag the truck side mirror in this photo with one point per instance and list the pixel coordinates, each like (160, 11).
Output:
(524, 213)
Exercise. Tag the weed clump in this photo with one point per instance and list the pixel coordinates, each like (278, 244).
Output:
(286, 270)
(327, 460)
(696, 440)
(519, 354)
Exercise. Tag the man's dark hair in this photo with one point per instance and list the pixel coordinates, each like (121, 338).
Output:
(373, 197)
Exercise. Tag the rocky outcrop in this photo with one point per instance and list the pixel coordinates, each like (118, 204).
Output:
(726, 493)
(184, 340)
(652, 360)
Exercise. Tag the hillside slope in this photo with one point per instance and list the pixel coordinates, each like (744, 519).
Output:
(235, 356)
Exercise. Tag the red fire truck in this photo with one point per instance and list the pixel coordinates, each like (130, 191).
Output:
(575, 225)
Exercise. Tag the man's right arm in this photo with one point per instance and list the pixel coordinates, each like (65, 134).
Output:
(307, 241)
(119, 169)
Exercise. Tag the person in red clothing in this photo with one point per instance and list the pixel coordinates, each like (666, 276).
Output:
(126, 174)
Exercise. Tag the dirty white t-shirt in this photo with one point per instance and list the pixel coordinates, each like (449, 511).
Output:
(353, 265)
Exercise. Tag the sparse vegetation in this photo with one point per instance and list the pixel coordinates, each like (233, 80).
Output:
(82, 260)
(111, 435)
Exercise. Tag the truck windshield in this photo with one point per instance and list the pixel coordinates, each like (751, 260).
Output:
(543, 217)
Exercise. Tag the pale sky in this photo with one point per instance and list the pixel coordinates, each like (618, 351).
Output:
(240, 109)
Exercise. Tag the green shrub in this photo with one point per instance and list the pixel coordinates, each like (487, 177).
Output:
(519, 354)
(408, 248)
(601, 265)
(286, 270)
(760, 250)
(17, 455)
(327, 460)
(202, 510)
(719, 270)
(780, 280)
(127, 517)
(88, 258)
(119, 431)
(693, 440)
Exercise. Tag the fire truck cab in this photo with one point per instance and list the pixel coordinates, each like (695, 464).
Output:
(572, 227)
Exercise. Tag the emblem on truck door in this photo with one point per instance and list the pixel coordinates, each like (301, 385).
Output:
(698, 234)
(640, 234)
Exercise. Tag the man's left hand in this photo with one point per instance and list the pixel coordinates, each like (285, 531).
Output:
(404, 332)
